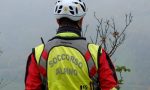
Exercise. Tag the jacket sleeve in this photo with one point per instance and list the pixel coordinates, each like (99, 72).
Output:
(32, 76)
(107, 75)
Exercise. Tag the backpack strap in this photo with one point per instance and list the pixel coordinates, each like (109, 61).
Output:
(41, 58)
(38, 51)
(94, 71)
(95, 48)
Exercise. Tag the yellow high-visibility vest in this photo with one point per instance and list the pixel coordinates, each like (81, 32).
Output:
(66, 66)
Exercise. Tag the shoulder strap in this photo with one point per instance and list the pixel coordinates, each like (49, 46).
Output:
(95, 51)
(38, 52)
(41, 57)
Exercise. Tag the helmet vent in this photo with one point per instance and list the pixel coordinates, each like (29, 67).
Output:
(60, 7)
(57, 2)
(84, 4)
(70, 7)
(56, 8)
(76, 2)
(72, 12)
(76, 11)
(82, 7)
(58, 11)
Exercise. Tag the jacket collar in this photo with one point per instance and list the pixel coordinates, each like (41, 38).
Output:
(68, 31)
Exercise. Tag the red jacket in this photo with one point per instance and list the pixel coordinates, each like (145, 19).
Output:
(107, 75)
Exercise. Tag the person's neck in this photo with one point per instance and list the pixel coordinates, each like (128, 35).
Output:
(72, 29)
(68, 25)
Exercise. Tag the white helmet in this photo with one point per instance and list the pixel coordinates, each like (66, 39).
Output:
(72, 9)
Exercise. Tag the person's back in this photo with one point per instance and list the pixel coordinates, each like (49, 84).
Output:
(68, 61)
(67, 66)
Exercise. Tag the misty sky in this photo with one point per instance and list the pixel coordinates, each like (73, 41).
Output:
(23, 22)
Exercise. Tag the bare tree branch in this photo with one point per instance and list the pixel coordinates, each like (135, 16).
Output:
(83, 33)
(110, 37)
(91, 39)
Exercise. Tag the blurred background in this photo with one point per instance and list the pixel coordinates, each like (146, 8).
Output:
(23, 22)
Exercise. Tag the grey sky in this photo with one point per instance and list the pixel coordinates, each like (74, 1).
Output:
(23, 22)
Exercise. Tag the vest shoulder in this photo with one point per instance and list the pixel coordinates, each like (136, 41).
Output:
(39, 46)
(38, 51)
(94, 50)
(93, 46)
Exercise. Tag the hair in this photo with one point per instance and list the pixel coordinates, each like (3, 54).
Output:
(68, 22)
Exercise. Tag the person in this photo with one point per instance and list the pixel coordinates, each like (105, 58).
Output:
(68, 61)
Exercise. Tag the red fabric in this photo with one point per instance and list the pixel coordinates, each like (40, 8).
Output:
(44, 54)
(43, 71)
(87, 56)
(106, 77)
(33, 79)
(41, 68)
(93, 71)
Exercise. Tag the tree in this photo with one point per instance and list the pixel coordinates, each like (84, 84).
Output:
(110, 38)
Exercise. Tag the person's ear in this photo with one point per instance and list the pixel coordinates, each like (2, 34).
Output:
(80, 22)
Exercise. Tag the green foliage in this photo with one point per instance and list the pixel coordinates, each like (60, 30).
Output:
(121, 70)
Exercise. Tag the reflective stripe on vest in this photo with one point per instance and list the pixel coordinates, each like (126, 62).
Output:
(41, 57)
(87, 50)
